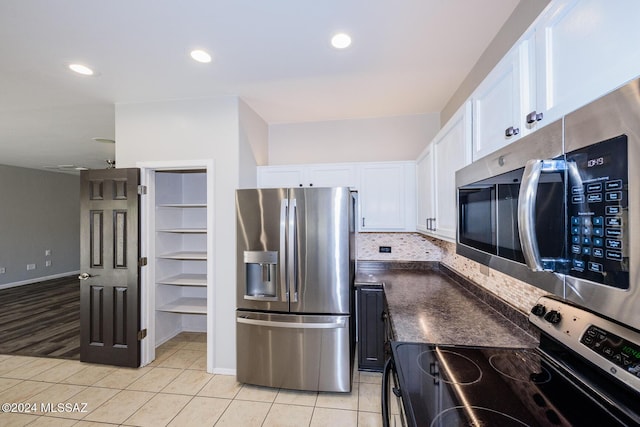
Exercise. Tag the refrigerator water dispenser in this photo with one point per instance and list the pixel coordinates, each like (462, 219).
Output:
(261, 275)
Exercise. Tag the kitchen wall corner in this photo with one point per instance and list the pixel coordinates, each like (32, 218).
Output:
(519, 294)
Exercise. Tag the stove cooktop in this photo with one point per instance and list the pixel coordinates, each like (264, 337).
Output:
(484, 386)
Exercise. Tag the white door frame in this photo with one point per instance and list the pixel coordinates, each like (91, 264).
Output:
(147, 249)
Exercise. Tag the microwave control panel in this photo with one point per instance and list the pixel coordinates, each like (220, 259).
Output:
(598, 209)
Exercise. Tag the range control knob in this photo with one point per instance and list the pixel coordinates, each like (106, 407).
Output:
(553, 317)
(539, 310)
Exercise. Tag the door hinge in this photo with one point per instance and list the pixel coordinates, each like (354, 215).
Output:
(142, 261)
(142, 334)
(142, 189)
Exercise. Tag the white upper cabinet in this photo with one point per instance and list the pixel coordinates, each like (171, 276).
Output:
(386, 195)
(332, 175)
(425, 190)
(452, 151)
(281, 176)
(386, 189)
(584, 49)
(315, 175)
(575, 52)
(436, 170)
(502, 100)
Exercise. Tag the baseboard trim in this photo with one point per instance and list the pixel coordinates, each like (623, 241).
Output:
(38, 279)
(224, 371)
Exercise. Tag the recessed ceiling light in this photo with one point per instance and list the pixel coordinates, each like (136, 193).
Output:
(201, 56)
(81, 69)
(341, 41)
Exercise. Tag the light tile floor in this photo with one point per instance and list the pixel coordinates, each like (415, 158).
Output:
(175, 390)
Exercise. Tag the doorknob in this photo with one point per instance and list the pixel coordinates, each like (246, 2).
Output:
(84, 276)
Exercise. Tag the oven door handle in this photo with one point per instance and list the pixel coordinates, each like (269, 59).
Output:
(386, 375)
(527, 208)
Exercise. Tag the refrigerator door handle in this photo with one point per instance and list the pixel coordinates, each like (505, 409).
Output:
(284, 207)
(292, 264)
(292, 325)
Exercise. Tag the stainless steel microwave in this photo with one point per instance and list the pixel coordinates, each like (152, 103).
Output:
(560, 208)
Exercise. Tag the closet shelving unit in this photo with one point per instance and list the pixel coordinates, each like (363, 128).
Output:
(180, 252)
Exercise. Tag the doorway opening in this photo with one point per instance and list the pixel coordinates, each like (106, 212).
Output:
(177, 240)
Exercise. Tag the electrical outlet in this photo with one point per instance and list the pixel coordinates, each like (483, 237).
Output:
(3, 270)
(47, 263)
(31, 267)
(47, 252)
(384, 249)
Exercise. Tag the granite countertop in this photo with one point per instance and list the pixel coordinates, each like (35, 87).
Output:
(430, 306)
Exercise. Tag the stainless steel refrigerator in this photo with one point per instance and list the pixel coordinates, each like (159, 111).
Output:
(295, 270)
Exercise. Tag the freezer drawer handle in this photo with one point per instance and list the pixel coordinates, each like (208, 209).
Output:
(291, 325)
(260, 298)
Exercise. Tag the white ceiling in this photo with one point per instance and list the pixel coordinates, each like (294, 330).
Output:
(407, 57)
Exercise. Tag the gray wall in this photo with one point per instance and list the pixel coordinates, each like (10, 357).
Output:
(39, 210)
(522, 17)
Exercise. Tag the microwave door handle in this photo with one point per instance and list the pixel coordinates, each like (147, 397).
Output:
(284, 207)
(527, 208)
(526, 214)
(292, 262)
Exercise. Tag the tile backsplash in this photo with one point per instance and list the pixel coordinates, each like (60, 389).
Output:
(404, 247)
(417, 247)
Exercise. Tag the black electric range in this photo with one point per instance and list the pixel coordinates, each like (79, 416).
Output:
(585, 372)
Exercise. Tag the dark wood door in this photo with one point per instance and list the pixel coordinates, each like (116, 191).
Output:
(109, 263)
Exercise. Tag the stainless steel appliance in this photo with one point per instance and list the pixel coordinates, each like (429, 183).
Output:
(295, 272)
(585, 372)
(557, 208)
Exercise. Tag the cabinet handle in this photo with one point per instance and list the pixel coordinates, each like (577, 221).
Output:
(299, 185)
(311, 184)
(362, 222)
(430, 222)
(511, 131)
(534, 117)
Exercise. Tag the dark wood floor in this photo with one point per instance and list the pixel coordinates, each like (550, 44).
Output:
(41, 319)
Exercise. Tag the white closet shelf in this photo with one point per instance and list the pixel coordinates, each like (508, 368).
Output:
(185, 280)
(184, 230)
(186, 305)
(182, 205)
(185, 255)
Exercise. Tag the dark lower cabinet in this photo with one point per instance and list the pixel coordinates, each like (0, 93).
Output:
(372, 327)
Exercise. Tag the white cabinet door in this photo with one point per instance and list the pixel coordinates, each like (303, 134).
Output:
(496, 107)
(585, 48)
(425, 186)
(502, 101)
(281, 176)
(386, 196)
(332, 175)
(314, 175)
(452, 151)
